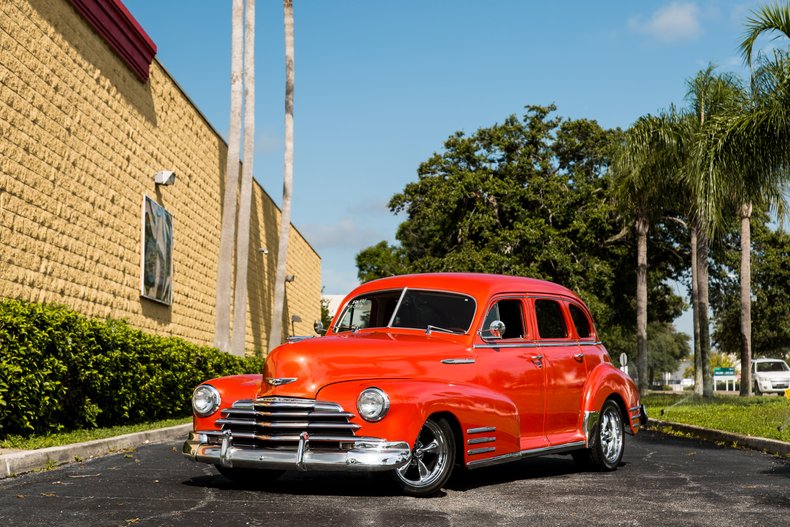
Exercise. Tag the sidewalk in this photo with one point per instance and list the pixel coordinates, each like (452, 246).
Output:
(14, 462)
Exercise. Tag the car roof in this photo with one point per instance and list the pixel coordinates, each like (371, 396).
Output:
(479, 285)
(767, 360)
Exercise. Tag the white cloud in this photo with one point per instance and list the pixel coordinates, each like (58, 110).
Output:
(345, 233)
(669, 24)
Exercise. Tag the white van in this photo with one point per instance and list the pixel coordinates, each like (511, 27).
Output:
(770, 376)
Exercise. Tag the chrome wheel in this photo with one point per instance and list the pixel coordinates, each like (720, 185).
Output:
(608, 438)
(612, 435)
(432, 460)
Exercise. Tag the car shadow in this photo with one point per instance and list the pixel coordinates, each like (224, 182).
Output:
(379, 484)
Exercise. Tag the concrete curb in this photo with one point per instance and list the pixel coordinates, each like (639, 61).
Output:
(769, 446)
(21, 461)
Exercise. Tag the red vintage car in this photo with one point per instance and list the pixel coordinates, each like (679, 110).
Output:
(418, 374)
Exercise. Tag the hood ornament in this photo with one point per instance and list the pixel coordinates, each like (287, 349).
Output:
(279, 381)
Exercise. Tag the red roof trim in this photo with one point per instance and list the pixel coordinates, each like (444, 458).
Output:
(121, 31)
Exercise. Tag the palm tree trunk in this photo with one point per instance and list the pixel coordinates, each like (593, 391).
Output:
(703, 250)
(695, 309)
(245, 195)
(275, 337)
(642, 227)
(227, 230)
(746, 300)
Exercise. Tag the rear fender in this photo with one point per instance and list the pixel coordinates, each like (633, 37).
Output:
(413, 402)
(604, 382)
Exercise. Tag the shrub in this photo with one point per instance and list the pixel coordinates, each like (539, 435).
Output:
(60, 370)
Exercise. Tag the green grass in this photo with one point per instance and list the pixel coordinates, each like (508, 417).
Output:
(753, 416)
(79, 436)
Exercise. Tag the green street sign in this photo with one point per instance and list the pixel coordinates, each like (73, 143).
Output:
(723, 371)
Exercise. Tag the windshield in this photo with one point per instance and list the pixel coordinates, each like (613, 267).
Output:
(777, 365)
(409, 308)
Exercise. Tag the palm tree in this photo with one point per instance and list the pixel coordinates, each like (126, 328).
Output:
(245, 195)
(227, 232)
(710, 95)
(767, 19)
(275, 337)
(753, 146)
(644, 168)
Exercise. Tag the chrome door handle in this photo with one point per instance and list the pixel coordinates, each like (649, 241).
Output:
(579, 357)
(538, 360)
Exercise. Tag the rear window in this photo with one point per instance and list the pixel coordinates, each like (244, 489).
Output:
(580, 321)
(551, 322)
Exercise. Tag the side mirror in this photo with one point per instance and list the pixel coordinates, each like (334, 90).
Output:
(496, 330)
(319, 328)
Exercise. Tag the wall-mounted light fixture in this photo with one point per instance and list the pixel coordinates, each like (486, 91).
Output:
(290, 278)
(165, 177)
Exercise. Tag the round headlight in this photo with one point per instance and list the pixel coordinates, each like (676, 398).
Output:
(373, 404)
(205, 400)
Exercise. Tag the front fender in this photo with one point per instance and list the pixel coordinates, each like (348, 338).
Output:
(413, 402)
(604, 381)
(231, 389)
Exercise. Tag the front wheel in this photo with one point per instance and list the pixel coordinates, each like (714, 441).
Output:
(432, 460)
(607, 442)
(756, 390)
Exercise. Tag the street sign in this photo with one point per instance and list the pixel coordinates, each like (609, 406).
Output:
(718, 372)
(623, 359)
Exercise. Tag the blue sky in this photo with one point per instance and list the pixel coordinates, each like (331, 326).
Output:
(381, 84)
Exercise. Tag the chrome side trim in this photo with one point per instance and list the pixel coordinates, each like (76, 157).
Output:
(458, 361)
(590, 422)
(556, 449)
(478, 440)
(503, 346)
(481, 430)
(475, 451)
(596, 343)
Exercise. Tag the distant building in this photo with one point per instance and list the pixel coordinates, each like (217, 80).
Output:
(111, 181)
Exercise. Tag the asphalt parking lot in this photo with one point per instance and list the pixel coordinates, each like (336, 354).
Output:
(663, 481)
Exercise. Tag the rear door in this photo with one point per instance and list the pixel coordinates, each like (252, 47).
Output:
(565, 370)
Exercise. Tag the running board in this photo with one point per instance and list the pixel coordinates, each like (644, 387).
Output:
(556, 449)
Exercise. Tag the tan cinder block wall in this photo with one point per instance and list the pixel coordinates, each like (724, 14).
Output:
(80, 141)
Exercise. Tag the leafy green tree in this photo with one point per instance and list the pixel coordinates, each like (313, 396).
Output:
(380, 260)
(530, 196)
(666, 349)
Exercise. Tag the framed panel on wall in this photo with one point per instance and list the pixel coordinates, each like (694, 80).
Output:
(157, 258)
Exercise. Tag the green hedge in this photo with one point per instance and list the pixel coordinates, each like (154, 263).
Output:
(62, 371)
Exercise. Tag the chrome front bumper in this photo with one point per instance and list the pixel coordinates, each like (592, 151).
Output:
(366, 455)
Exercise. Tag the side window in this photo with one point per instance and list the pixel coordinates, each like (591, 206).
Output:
(551, 322)
(511, 313)
(580, 321)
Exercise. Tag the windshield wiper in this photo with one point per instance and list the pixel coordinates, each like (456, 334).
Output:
(431, 328)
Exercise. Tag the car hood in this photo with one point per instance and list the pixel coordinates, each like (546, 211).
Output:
(302, 368)
(773, 375)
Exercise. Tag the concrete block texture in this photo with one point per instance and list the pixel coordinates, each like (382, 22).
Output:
(82, 138)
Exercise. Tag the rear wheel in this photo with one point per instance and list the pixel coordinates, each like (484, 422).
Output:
(432, 460)
(250, 476)
(607, 442)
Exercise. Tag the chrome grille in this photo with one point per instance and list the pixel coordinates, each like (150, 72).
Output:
(277, 422)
